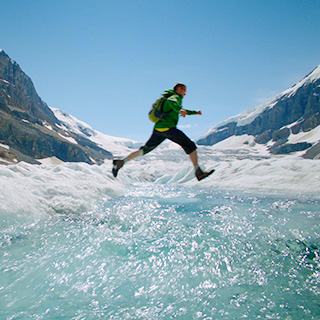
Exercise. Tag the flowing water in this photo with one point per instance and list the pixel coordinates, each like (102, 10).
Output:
(164, 252)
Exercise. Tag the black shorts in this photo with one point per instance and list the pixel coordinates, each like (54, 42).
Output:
(172, 134)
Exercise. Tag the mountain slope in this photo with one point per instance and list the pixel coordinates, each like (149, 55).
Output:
(293, 111)
(113, 144)
(29, 130)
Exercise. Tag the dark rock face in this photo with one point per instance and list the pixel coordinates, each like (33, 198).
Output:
(302, 107)
(18, 92)
(30, 128)
(289, 148)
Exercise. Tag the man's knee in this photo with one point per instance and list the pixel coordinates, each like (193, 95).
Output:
(145, 149)
(190, 147)
(140, 152)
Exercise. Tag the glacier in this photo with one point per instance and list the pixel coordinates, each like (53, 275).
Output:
(75, 243)
(71, 186)
(154, 243)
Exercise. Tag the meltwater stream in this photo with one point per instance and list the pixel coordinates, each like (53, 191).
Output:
(165, 252)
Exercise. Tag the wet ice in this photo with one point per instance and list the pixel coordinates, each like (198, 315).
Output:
(164, 251)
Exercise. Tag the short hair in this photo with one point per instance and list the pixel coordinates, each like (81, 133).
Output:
(179, 85)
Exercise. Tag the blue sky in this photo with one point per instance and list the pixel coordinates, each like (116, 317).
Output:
(105, 62)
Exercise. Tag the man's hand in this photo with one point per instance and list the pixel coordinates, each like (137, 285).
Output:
(199, 112)
(183, 112)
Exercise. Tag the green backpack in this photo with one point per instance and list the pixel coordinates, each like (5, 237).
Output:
(156, 112)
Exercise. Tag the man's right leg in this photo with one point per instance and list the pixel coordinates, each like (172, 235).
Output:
(119, 163)
(155, 139)
(133, 155)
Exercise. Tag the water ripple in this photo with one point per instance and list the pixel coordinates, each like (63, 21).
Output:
(164, 252)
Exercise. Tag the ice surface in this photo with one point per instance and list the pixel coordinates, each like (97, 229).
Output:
(72, 186)
(246, 167)
(44, 189)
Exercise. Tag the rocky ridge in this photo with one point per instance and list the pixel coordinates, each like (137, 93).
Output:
(294, 111)
(29, 130)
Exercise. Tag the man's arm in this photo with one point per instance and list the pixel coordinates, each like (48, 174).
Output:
(185, 112)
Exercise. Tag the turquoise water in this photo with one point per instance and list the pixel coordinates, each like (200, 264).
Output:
(164, 252)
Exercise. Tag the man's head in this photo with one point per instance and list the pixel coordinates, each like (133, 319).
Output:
(180, 89)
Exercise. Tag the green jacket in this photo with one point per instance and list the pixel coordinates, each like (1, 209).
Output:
(173, 104)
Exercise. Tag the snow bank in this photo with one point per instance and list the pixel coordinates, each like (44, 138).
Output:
(43, 189)
(4, 146)
(240, 164)
(311, 136)
(50, 160)
(283, 174)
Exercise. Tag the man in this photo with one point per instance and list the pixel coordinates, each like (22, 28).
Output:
(167, 129)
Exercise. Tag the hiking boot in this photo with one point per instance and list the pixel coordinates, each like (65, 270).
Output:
(201, 174)
(117, 165)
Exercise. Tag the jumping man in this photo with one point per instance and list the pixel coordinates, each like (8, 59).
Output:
(167, 129)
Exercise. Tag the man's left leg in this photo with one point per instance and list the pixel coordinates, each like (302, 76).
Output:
(194, 158)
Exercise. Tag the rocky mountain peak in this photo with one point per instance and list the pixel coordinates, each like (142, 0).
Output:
(16, 87)
(29, 129)
(293, 111)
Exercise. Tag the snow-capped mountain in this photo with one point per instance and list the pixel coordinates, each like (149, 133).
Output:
(286, 123)
(30, 131)
(113, 144)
